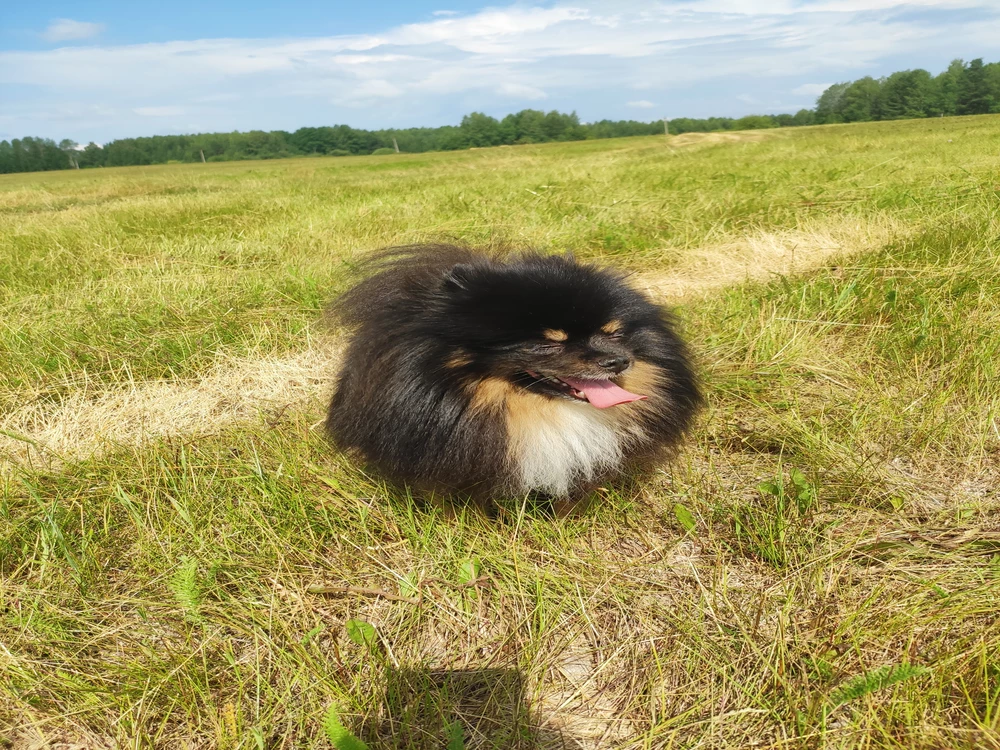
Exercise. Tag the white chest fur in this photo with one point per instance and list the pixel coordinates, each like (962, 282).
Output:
(555, 444)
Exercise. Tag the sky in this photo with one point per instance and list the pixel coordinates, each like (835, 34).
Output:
(104, 69)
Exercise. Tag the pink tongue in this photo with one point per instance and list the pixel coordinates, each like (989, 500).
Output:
(603, 393)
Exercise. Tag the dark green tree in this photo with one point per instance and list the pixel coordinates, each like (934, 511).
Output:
(754, 122)
(7, 164)
(480, 130)
(828, 106)
(804, 117)
(905, 94)
(860, 100)
(974, 90)
(944, 94)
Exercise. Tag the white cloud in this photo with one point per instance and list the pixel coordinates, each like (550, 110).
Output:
(66, 29)
(159, 111)
(445, 13)
(579, 54)
(521, 91)
(811, 89)
(746, 99)
(375, 88)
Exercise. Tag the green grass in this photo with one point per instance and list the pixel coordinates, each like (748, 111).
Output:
(819, 568)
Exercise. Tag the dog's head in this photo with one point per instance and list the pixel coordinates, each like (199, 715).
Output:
(549, 325)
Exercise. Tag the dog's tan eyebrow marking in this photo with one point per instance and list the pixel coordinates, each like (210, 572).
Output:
(457, 360)
(612, 327)
(555, 334)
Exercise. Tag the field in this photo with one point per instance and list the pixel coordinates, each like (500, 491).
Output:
(186, 563)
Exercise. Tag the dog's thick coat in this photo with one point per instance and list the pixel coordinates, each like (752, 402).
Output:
(484, 376)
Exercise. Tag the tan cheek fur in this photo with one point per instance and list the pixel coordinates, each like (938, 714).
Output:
(643, 378)
(490, 395)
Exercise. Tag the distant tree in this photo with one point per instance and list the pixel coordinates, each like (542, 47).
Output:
(944, 94)
(974, 90)
(754, 122)
(7, 164)
(905, 94)
(860, 100)
(69, 147)
(559, 127)
(992, 72)
(480, 130)
(804, 117)
(828, 106)
(92, 156)
(35, 155)
(528, 124)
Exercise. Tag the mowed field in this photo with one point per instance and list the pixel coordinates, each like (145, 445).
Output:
(186, 563)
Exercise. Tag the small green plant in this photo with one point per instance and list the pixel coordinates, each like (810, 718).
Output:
(468, 574)
(684, 517)
(456, 736)
(185, 587)
(468, 577)
(872, 681)
(362, 633)
(764, 528)
(409, 585)
(339, 735)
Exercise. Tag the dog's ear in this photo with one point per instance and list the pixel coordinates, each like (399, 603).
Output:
(457, 277)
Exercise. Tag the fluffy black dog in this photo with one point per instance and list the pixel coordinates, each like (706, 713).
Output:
(494, 377)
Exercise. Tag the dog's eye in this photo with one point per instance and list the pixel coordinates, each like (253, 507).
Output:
(616, 335)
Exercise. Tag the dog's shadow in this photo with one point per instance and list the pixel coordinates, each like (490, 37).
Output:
(473, 709)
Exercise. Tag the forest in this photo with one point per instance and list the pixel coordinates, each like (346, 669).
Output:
(962, 89)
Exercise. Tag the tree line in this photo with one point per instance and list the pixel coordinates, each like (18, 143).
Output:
(964, 88)
(476, 130)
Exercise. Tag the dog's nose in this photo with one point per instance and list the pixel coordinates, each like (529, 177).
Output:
(615, 364)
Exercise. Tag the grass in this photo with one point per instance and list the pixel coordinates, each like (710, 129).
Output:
(184, 562)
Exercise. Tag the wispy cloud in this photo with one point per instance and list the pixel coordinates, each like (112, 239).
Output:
(811, 89)
(158, 111)
(694, 57)
(521, 91)
(66, 29)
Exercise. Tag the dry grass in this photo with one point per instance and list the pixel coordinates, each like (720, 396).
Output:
(819, 568)
(706, 139)
(130, 413)
(764, 255)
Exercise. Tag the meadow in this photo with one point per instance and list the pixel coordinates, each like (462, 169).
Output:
(186, 563)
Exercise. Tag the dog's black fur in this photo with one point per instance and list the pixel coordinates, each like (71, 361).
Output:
(446, 384)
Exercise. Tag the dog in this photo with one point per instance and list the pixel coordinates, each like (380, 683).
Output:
(485, 376)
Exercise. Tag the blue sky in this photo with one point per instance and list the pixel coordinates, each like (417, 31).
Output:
(103, 70)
